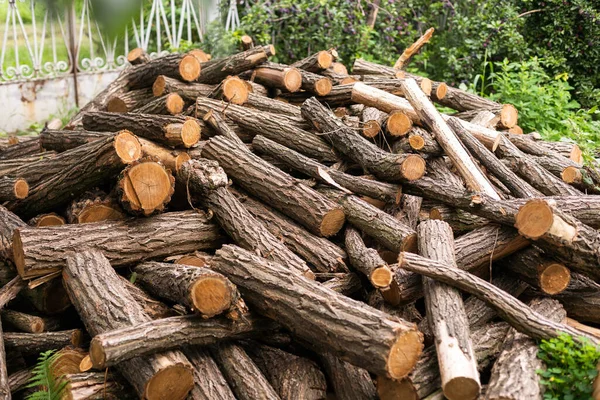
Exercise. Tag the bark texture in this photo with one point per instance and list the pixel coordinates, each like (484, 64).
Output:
(349, 382)
(209, 382)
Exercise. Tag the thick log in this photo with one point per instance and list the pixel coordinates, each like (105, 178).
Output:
(128, 101)
(318, 214)
(104, 304)
(517, 186)
(317, 251)
(200, 289)
(278, 76)
(184, 67)
(292, 377)
(568, 150)
(43, 251)
(169, 104)
(514, 375)
(413, 49)
(208, 181)
(189, 91)
(447, 317)
(386, 346)
(418, 140)
(172, 159)
(94, 206)
(145, 187)
(201, 55)
(96, 385)
(244, 377)
(114, 346)
(216, 121)
(10, 290)
(13, 189)
(367, 260)
(458, 219)
(35, 343)
(5, 387)
(372, 121)
(49, 219)
(137, 56)
(7, 167)
(397, 124)
(554, 150)
(561, 234)
(209, 382)
(214, 71)
(315, 62)
(267, 104)
(169, 130)
(316, 84)
(247, 42)
(9, 222)
(232, 89)
(56, 181)
(581, 299)
(349, 382)
(154, 308)
(384, 165)
(22, 149)
(59, 140)
(521, 317)
(29, 323)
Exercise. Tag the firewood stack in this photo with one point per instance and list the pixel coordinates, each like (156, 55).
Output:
(238, 228)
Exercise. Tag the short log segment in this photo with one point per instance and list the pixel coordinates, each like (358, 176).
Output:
(209, 382)
(28, 323)
(104, 304)
(189, 91)
(94, 206)
(418, 140)
(128, 101)
(291, 376)
(145, 187)
(115, 346)
(216, 121)
(169, 130)
(59, 141)
(521, 317)
(207, 180)
(315, 62)
(169, 104)
(214, 71)
(35, 343)
(386, 346)
(366, 260)
(372, 121)
(317, 84)
(514, 375)
(172, 159)
(231, 89)
(13, 189)
(318, 214)
(96, 385)
(278, 76)
(184, 67)
(242, 374)
(349, 382)
(561, 234)
(386, 166)
(447, 317)
(317, 251)
(137, 56)
(200, 289)
(56, 181)
(43, 251)
(386, 192)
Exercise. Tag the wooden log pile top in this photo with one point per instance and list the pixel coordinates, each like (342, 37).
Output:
(235, 228)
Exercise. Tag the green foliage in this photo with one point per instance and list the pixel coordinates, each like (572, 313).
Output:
(544, 103)
(220, 43)
(49, 387)
(570, 368)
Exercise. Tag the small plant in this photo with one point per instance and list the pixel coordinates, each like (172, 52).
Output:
(49, 388)
(570, 368)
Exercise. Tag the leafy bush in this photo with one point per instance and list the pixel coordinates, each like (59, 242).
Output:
(570, 368)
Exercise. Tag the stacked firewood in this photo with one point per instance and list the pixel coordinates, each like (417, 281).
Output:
(237, 228)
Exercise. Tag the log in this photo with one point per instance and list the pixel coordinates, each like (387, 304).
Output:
(96, 385)
(515, 372)
(154, 308)
(137, 56)
(447, 317)
(349, 382)
(568, 150)
(318, 214)
(104, 304)
(316, 84)
(7, 167)
(247, 42)
(278, 76)
(115, 346)
(267, 104)
(214, 71)
(67, 361)
(232, 89)
(208, 181)
(169, 130)
(581, 299)
(13, 189)
(417, 140)
(59, 141)
(29, 323)
(317, 251)
(189, 91)
(348, 284)
(172, 159)
(398, 124)
(459, 220)
(200, 55)
(145, 187)
(367, 260)
(561, 234)
(216, 121)
(184, 67)
(291, 376)
(49, 219)
(18, 380)
(315, 62)
(413, 49)
(244, 377)
(169, 104)
(384, 165)
(55, 182)
(386, 346)
(5, 387)
(209, 382)
(517, 186)
(22, 149)
(521, 317)
(10, 290)
(200, 289)
(128, 101)
(372, 121)
(35, 343)
(43, 251)
(94, 206)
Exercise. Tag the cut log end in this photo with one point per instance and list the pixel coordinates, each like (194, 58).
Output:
(381, 277)
(173, 382)
(211, 296)
(426, 86)
(576, 154)
(270, 50)
(571, 175)
(400, 74)
(116, 105)
(554, 278)
(371, 128)
(174, 104)
(193, 261)
(461, 388)
(404, 354)
(410, 243)
(324, 59)
(181, 159)
(85, 364)
(398, 124)
(49, 220)
(389, 389)
(147, 187)
(189, 68)
(339, 68)
(441, 91)
(77, 338)
(136, 56)
(416, 142)
(413, 167)
(21, 189)
(235, 90)
(97, 356)
(200, 55)
(190, 133)
(99, 212)
(516, 130)
(128, 147)
(292, 79)
(534, 219)
(246, 41)
(323, 87)
(348, 80)
(509, 116)
(158, 87)
(332, 222)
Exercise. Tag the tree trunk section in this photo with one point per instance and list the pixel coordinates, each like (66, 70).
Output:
(214, 71)
(367, 261)
(128, 101)
(209, 382)
(35, 343)
(315, 62)
(94, 206)
(418, 140)
(349, 382)
(189, 91)
(60, 141)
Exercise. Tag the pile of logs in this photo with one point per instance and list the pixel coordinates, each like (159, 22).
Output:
(235, 228)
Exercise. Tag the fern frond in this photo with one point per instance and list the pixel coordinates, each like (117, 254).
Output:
(50, 387)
